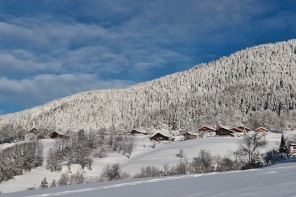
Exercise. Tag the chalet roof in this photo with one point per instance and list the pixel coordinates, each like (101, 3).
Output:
(33, 130)
(236, 129)
(164, 134)
(223, 127)
(190, 133)
(243, 128)
(261, 128)
(209, 128)
(140, 131)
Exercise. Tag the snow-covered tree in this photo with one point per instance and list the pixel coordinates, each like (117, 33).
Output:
(44, 184)
(284, 148)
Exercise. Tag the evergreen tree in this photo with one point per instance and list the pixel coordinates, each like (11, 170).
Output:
(284, 149)
(44, 184)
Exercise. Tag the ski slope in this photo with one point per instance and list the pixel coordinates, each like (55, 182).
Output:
(277, 180)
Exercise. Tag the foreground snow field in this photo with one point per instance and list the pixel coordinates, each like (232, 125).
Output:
(143, 155)
(277, 180)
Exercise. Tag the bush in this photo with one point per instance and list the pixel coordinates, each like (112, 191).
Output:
(203, 163)
(70, 179)
(149, 171)
(113, 172)
(273, 156)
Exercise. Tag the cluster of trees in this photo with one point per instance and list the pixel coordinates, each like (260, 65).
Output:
(223, 92)
(44, 184)
(10, 133)
(113, 172)
(72, 178)
(81, 147)
(17, 159)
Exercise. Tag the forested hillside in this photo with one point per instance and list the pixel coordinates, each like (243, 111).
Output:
(253, 86)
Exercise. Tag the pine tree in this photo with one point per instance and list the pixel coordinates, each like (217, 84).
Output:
(284, 149)
(44, 184)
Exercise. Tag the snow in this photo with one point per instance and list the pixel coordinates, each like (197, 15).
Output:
(143, 155)
(277, 180)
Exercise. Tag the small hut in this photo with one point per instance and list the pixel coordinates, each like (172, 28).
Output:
(261, 130)
(293, 149)
(55, 135)
(243, 128)
(137, 131)
(161, 137)
(189, 135)
(221, 131)
(206, 129)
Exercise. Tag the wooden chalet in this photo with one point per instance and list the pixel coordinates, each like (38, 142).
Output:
(189, 135)
(246, 129)
(55, 135)
(261, 130)
(221, 131)
(237, 130)
(161, 137)
(293, 149)
(206, 129)
(136, 132)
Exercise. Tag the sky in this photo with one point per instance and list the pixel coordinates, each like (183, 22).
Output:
(54, 48)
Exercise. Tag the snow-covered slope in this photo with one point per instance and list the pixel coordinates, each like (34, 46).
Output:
(221, 91)
(277, 180)
(143, 155)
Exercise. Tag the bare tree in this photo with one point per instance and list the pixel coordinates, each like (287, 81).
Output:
(251, 145)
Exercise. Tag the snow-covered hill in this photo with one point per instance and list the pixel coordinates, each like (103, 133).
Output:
(220, 92)
(142, 156)
(277, 180)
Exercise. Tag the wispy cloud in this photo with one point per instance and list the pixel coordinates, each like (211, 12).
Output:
(106, 43)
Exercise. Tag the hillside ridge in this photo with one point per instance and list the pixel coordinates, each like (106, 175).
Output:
(249, 80)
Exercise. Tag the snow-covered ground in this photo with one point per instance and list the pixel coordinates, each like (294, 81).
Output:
(277, 180)
(143, 155)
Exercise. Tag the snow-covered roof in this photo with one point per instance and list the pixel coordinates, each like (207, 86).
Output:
(190, 133)
(164, 134)
(261, 128)
(140, 130)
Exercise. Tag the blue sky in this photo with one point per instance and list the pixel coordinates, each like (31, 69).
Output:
(54, 48)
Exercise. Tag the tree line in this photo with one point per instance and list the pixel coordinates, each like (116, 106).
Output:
(20, 158)
(81, 147)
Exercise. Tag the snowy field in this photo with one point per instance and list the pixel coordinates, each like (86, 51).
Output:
(143, 155)
(277, 180)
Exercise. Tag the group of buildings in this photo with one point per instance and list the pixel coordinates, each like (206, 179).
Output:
(220, 131)
(35, 134)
